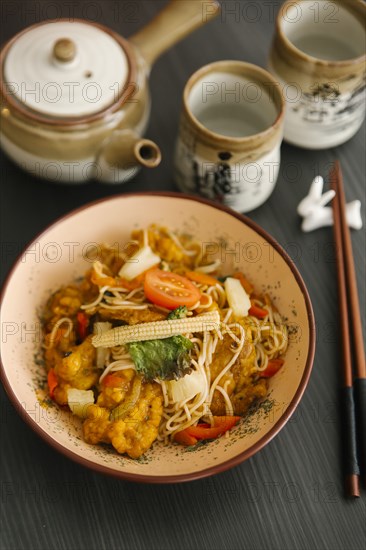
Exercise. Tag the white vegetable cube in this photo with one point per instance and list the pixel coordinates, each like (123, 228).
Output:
(143, 260)
(79, 401)
(187, 387)
(237, 298)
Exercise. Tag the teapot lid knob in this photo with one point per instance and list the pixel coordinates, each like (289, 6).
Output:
(64, 50)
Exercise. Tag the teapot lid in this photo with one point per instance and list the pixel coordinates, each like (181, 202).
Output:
(67, 69)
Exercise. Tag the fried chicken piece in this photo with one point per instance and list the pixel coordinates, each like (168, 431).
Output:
(96, 425)
(78, 367)
(136, 433)
(138, 430)
(242, 386)
(132, 316)
(111, 396)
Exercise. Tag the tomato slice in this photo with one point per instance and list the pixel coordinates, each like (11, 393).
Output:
(170, 290)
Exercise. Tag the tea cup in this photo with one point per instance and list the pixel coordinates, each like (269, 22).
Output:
(318, 57)
(228, 147)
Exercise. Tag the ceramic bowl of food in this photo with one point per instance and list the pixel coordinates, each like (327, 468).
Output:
(90, 294)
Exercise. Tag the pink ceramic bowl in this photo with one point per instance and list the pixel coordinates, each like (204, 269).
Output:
(56, 257)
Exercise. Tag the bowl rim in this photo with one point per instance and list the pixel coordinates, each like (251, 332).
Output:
(200, 474)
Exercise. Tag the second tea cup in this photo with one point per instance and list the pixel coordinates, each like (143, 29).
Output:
(319, 57)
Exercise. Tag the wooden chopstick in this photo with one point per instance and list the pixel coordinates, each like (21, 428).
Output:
(359, 351)
(358, 348)
(349, 319)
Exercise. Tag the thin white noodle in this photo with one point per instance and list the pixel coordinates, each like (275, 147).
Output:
(203, 351)
(97, 300)
(227, 316)
(218, 294)
(145, 238)
(55, 329)
(116, 365)
(261, 358)
(174, 418)
(186, 410)
(210, 267)
(123, 307)
(120, 302)
(176, 241)
(118, 298)
(226, 385)
(133, 292)
(113, 290)
(229, 365)
(227, 330)
(165, 393)
(204, 306)
(228, 406)
(120, 352)
(123, 289)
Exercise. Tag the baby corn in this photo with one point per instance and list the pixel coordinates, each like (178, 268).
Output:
(157, 330)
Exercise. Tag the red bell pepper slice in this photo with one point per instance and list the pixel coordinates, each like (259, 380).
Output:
(82, 325)
(185, 439)
(258, 312)
(191, 435)
(221, 425)
(274, 366)
(52, 381)
(247, 285)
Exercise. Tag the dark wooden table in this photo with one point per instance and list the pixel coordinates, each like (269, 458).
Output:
(290, 495)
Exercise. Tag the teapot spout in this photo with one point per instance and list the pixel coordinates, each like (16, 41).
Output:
(123, 154)
(147, 153)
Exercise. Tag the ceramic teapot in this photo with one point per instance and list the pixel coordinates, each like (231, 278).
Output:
(74, 95)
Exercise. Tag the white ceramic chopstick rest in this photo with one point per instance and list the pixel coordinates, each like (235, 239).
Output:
(315, 197)
(316, 214)
(323, 217)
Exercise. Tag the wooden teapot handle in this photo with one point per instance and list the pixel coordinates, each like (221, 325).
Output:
(174, 22)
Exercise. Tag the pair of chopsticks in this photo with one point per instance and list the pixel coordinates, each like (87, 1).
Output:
(353, 353)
